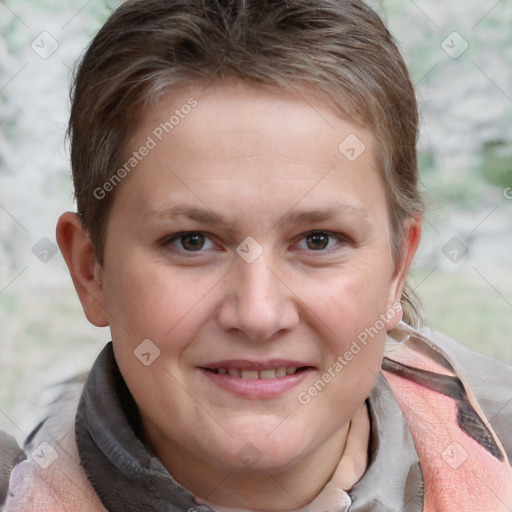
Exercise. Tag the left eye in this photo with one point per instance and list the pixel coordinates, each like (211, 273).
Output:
(192, 241)
(318, 241)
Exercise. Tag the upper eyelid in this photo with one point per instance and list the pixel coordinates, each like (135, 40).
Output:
(313, 231)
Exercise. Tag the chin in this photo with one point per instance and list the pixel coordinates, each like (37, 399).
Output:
(263, 452)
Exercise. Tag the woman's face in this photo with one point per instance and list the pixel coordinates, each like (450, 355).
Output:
(251, 234)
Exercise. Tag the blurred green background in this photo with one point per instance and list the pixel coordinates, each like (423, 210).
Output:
(465, 159)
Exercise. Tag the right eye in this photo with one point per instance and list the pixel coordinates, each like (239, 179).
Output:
(190, 241)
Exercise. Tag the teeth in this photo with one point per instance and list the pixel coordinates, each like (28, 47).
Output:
(254, 374)
(268, 374)
(281, 372)
(249, 374)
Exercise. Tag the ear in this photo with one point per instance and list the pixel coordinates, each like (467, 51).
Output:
(77, 250)
(411, 237)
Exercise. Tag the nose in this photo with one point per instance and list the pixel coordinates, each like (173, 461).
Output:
(257, 302)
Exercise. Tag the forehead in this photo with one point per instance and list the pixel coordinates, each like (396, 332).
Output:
(248, 140)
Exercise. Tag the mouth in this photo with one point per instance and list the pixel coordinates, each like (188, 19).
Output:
(272, 373)
(257, 380)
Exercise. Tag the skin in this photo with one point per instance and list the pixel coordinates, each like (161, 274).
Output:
(251, 156)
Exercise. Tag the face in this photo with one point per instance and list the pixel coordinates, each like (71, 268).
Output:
(248, 239)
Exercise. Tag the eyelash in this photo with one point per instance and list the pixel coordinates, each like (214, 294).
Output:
(179, 236)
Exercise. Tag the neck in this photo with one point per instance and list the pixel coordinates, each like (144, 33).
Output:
(265, 490)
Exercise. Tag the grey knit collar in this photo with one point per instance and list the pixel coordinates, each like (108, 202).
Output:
(129, 478)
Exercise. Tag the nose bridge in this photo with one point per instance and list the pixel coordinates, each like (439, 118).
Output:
(259, 304)
(258, 282)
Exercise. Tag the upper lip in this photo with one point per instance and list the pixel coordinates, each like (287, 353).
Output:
(244, 364)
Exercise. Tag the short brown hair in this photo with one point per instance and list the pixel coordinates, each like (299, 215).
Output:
(339, 49)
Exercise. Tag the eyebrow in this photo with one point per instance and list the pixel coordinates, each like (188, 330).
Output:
(293, 217)
(198, 214)
(326, 214)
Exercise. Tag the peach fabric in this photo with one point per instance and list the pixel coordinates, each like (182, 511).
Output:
(459, 473)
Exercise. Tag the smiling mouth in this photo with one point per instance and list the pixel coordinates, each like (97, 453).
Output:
(273, 373)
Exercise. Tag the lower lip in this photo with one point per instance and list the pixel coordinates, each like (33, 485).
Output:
(257, 388)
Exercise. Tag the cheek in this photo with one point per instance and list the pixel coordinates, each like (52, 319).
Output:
(348, 309)
(351, 299)
(354, 337)
(152, 300)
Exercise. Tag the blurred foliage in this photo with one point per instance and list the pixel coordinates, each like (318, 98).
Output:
(467, 190)
(497, 163)
(11, 34)
(417, 26)
(426, 161)
(464, 307)
(92, 14)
